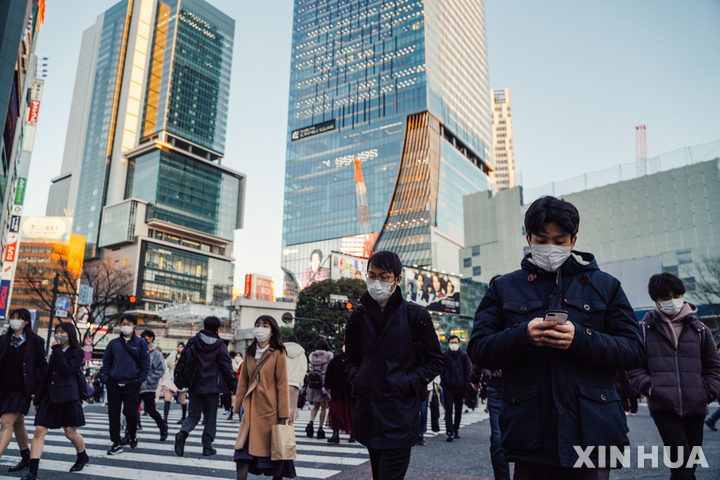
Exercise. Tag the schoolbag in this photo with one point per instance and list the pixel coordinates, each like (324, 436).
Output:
(315, 379)
(186, 369)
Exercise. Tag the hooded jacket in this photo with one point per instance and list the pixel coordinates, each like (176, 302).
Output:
(556, 399)
(213, 360)
(680, 379)
(319, 360)
(296, 364)
(157, 370)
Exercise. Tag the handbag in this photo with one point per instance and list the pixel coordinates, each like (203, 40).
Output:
(282, 443)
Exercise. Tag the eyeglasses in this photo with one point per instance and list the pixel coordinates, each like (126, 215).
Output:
(382, 278)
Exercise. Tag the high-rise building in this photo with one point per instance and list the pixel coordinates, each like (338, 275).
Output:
(142, 171)
(504, 152)
(402, 86)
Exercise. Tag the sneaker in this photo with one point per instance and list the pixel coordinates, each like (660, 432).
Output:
(457, 435)
(449, 437)
(179, 444)
(208, 451)
(133, 443)
(422, 442)
(711, 425)
(115, 449)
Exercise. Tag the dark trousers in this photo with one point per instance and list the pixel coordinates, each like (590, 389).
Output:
(435, 412)
(453, 397)
(677, 431)
(127, 400)
(148, 399)
(202, 404)
(497, 453)
(533, 471)
(389, 464)
(422, 426)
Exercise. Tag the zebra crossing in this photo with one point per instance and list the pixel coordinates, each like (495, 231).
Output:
(154, 460)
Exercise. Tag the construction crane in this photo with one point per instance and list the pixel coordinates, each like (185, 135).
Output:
(641, 149)
(363, 210)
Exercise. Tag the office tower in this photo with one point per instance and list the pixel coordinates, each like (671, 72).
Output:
(402, 86)
(504, 173)
(142, 171)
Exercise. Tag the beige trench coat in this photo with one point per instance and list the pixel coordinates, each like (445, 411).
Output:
(266, 401)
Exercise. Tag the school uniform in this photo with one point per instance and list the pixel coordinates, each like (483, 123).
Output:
(22, 363)
(58, 395)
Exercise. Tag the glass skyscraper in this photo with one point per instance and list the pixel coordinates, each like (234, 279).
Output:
(142, 171)
(403, 86)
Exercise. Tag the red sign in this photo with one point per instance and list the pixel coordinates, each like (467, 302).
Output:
(264, 289)
(248, 285)
(11, 252)
(34, 109)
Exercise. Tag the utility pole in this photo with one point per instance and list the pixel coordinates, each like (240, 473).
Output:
(56, 282)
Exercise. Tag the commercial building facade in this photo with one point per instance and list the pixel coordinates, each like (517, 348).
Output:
(385, 82)
(142, 171)
(503, 148)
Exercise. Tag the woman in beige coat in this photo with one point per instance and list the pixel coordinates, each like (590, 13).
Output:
(263, 392)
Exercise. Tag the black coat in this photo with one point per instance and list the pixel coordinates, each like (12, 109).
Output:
(387, 377)
(683, 380)
(60, 382)
(336, 378)
(555, 399)
(457, 370)
(213, 361)
(34, 362)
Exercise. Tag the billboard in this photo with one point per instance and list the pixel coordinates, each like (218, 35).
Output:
(346, 266)
(437, 292)
(259, 287)
(47, 228)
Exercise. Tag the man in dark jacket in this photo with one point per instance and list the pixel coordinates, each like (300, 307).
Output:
(558, 379)
(212, 360)
(389, 374)
(455, 380)
(682, 372)
(126, 365)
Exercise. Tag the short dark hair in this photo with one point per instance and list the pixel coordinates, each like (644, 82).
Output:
(180, 343)
(453, 337)
(292, 338)
(232, 353)
(546, 210)
(212, 324)
(322, 344)
(318, 251)
(387, 262)
(148, 333)
(130, 318)
(663, 285)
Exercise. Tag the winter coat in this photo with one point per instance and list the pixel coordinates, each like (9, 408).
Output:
(170, 363)
(296, 364)
(457, 370)
(265, 401)
(554, 399)
(319, 360)
(157, 370)
(34, 362)
(683, 380)
(336, 379)
(213, 360)
(122, 369)
(388, 378)
(60, 381)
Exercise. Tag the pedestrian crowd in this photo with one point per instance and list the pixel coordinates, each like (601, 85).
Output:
(556, 352)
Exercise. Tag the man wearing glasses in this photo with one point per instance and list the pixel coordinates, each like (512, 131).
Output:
(393, 353)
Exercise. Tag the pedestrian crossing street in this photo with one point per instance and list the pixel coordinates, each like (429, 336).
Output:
(154, 460)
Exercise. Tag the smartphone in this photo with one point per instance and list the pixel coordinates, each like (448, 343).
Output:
(560, 316)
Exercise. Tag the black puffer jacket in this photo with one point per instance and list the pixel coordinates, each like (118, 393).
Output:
(213, 361)
(683, 380)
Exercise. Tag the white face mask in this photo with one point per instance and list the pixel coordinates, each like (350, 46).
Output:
(262, 334)
(454, 347)
(126, 330)
(671, 307)
(379, 290)
(17, 325)
(549, 257)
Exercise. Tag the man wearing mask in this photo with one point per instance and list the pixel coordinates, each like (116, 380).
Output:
(392, 354)
(212, 360)
(558, 378)
(149, 386)
(455, 381)
(126, 365)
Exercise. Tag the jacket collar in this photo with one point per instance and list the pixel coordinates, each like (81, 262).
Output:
(577, 262)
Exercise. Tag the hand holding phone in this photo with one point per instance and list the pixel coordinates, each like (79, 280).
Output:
(560, 316)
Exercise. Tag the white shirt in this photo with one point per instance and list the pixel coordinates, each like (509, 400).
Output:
(259, 352)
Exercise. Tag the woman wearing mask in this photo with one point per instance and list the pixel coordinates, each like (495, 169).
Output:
(296, 366)
(263, 392)
(681, 373)
(169, 384)
(57, 400)
(316, 393)
(342, 404)
(22, 363)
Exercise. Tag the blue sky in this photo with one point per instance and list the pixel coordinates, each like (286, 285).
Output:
(581, 76)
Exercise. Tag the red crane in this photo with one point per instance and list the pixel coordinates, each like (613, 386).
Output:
(363, 210)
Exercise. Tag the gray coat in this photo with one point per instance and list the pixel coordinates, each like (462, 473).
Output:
(157, 370)
(683, 380)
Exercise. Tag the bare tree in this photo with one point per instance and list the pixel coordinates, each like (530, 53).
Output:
(707, 288)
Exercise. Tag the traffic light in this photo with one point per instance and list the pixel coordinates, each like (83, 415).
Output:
(340, 305)
(125, 302)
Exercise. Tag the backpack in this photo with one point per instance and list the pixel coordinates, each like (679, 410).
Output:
(315, 379)
(186, 369)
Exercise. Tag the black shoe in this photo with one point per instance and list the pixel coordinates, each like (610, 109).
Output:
(208, 451)
(710, 424)
(352, 439)
(422, 442)
(457, 435)
(230, 416)
(310, 430)
(22, 465)
(335, 437)
(29, 476)
(164, 433)
(125, 440)
(80, 464)
(449, 437)
(179, 444)
(321, 434)
(115, 449)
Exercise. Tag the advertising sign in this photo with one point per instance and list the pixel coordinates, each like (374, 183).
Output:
(347, 266)
(48, 228)
(437, 292)
(8, 269)
(35, 96)
(4, 294)
(11, 248)
(258, 287)
(316, 129)
(15, 224)
(20, 191)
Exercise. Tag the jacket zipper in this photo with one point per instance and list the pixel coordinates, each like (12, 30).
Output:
(677, 379)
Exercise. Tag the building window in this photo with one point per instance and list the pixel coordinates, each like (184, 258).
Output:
(689, 283)
(476, 250)
(477, 271)
(672, 269)
(467, 262)
(684, 257)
